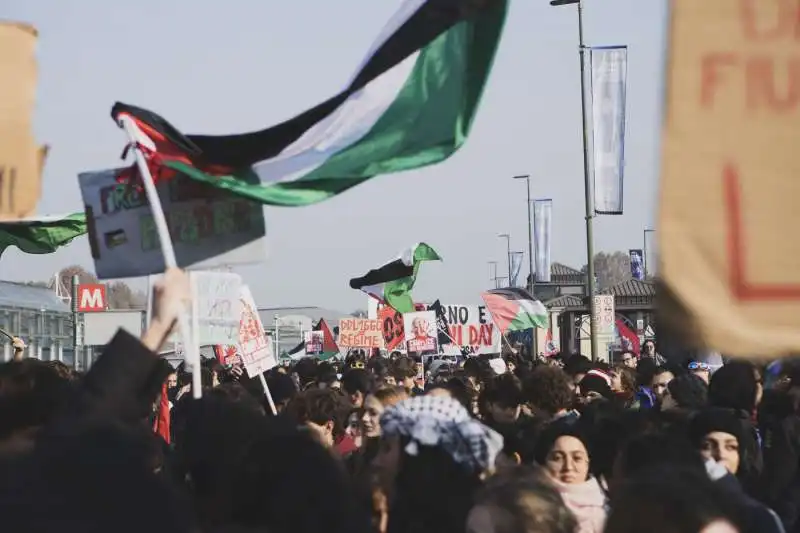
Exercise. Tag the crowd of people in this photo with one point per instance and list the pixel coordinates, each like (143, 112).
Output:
(504, 443)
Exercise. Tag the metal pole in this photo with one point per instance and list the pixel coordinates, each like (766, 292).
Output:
(75, 282)
(493, 272)
(645, 253)
(507, 237)
(587, 183)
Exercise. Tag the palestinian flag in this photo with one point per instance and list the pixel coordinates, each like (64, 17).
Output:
(514, 309)
(392, 283)
(41, 235)
(411, 103)
(329, 346)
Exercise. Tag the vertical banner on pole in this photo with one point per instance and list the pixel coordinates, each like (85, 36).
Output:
(542, 229)
(516, 267)
(609, 72)
(637, 264)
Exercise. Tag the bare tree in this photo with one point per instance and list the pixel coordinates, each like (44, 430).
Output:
(611, 268)
(119, 294)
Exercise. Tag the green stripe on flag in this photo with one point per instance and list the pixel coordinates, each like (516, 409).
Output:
(428, 121)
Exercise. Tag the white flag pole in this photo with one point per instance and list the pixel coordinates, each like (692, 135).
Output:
(267, 393)
(192, 351)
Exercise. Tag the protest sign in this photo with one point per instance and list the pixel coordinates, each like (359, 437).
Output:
(208, 227)
(471, 328)
(215, 300)
(392, 327)
(315, 342)
(360, 333)
(420, 333)
(21, 160)
(255, 348)
(729, 177)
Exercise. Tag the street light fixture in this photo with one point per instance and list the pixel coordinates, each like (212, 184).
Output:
(527, 179)
(587, 184)
(507, 237)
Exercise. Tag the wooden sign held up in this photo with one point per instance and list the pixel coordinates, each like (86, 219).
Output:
(730, 257)
(21, 160)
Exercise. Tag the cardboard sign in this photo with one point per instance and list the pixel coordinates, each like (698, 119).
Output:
(255, 348)
(420, 333)
(21, 160)
(216, 301)
(392, 327)
(209, 228)
(360, 333)
(91, 298)
(471, 328)
(729, 178)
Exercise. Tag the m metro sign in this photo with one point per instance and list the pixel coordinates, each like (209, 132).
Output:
(91, 297)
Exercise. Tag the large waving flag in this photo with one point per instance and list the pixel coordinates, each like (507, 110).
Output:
(411, 103)
(41, 235)
(392, 283)
(514, 309)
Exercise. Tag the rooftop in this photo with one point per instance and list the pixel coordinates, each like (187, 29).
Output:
(632, 287)
(23, 296)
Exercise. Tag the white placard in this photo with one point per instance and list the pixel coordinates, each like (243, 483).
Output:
(218, 304)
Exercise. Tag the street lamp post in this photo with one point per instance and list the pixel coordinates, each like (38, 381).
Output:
(507, 237)
(645, 251)
(493, 272)
(587, 184)
(534, 342)
(527, 179)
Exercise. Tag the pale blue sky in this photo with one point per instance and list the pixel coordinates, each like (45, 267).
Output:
(227, 67)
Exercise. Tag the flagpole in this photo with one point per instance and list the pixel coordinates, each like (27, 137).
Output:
(587, 183)
(167, 250)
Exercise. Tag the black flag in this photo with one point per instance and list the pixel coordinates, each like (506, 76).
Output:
(441, 323)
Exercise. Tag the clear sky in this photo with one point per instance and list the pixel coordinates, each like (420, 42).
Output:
(227, 67)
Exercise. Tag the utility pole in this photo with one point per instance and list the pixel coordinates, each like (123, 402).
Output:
(587, 183)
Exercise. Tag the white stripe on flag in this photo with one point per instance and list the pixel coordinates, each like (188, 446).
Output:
(542, 230)
(347, 125)
(609, 71)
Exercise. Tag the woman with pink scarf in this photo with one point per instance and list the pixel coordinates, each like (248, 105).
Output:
(563, 451)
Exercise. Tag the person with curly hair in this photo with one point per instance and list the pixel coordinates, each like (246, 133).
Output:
(548, 389)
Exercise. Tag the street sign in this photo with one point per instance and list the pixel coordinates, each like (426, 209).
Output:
(91, 297)
(604, 311)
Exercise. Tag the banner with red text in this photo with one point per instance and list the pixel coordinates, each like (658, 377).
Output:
(471, 328)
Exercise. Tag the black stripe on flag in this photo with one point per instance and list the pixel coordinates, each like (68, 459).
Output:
(512, 293)
(432, 19)
(388, 272)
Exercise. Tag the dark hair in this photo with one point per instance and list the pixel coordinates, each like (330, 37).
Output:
(524, 499)
(31, 392)
(734, 386)
(357, 380)
(689, 391)
(669, 500)
(659, 449)
(504, 390)
(403, 368)
(549, 389)
(319, 406)
(555, 430)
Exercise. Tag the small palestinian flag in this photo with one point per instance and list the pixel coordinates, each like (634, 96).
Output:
(392, 283)
(412, 103)
(514, 309)
(41, 235)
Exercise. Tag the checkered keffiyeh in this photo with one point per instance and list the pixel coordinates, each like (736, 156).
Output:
(442, 421)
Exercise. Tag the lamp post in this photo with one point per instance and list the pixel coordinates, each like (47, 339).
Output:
(587, 184)
(645, 251)
(493, 272)
(507, 237)
(527, 179)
